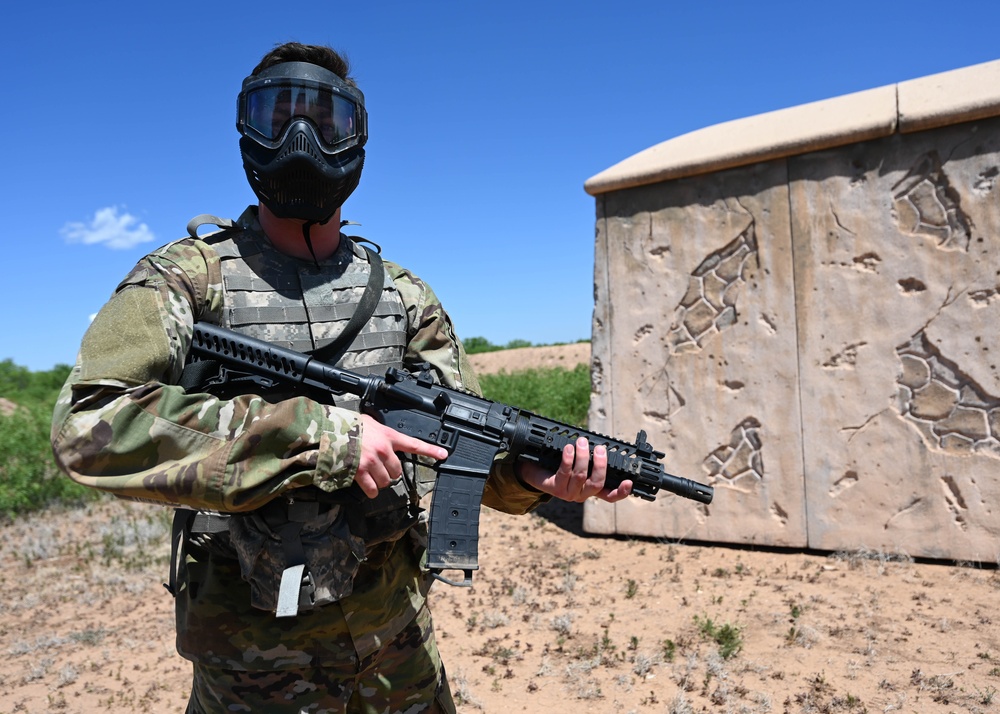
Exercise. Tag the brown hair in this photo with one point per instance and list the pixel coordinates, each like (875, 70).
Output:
(320, 55)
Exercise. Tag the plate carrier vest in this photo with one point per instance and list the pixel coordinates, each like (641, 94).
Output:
(303, 549)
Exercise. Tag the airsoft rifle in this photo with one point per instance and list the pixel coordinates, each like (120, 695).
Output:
(474, 431)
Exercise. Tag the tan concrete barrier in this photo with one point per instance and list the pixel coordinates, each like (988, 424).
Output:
(802, 309)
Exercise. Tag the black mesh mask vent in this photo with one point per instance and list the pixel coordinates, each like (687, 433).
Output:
(297, 179)
(299, 144)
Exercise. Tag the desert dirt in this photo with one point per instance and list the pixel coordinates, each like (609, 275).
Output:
(556, 621)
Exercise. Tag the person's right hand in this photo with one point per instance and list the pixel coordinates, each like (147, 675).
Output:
(380, 465)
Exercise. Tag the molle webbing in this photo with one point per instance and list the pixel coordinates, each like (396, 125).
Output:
(307, 307)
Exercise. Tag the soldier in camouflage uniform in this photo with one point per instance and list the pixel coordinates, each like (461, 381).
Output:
(257, 471)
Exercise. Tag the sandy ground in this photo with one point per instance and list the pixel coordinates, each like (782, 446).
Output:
(556, 621)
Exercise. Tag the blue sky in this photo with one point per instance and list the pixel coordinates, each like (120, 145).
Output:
(485, 120)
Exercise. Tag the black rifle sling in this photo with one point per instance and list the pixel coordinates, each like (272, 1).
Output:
(362, 314)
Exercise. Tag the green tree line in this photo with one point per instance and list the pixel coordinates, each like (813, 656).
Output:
(29, 479)
(477, 345)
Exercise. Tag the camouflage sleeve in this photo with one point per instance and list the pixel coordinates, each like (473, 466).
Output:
(432, 339)
(123, 426)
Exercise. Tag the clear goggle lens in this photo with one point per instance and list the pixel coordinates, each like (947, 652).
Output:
(270, 109)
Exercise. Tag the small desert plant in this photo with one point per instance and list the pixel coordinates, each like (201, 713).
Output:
(728, 637)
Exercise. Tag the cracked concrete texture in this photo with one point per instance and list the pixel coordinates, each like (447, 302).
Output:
(688, 301)
(816, 337)
(913, 418)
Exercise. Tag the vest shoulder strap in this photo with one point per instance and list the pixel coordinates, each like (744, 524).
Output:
(206, 219)
(362, 314)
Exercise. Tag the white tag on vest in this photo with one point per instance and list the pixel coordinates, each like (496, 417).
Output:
(288, 591)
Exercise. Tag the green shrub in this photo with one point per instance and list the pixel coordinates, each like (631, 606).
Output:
(22, 386)
(29, 479)
(553, 392)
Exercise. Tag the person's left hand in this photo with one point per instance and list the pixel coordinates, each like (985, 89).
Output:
(570, 482)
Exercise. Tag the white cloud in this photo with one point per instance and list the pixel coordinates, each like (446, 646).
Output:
(109, 227)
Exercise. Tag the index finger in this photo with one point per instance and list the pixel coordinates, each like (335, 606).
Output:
(412, 445)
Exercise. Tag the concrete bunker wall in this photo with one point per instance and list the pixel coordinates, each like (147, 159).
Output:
(816, 335)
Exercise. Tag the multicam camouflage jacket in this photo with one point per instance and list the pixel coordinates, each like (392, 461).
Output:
(123, 425)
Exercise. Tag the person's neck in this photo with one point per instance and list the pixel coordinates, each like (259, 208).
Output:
(286, 235)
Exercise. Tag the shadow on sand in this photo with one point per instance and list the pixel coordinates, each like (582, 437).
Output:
(565, 515)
